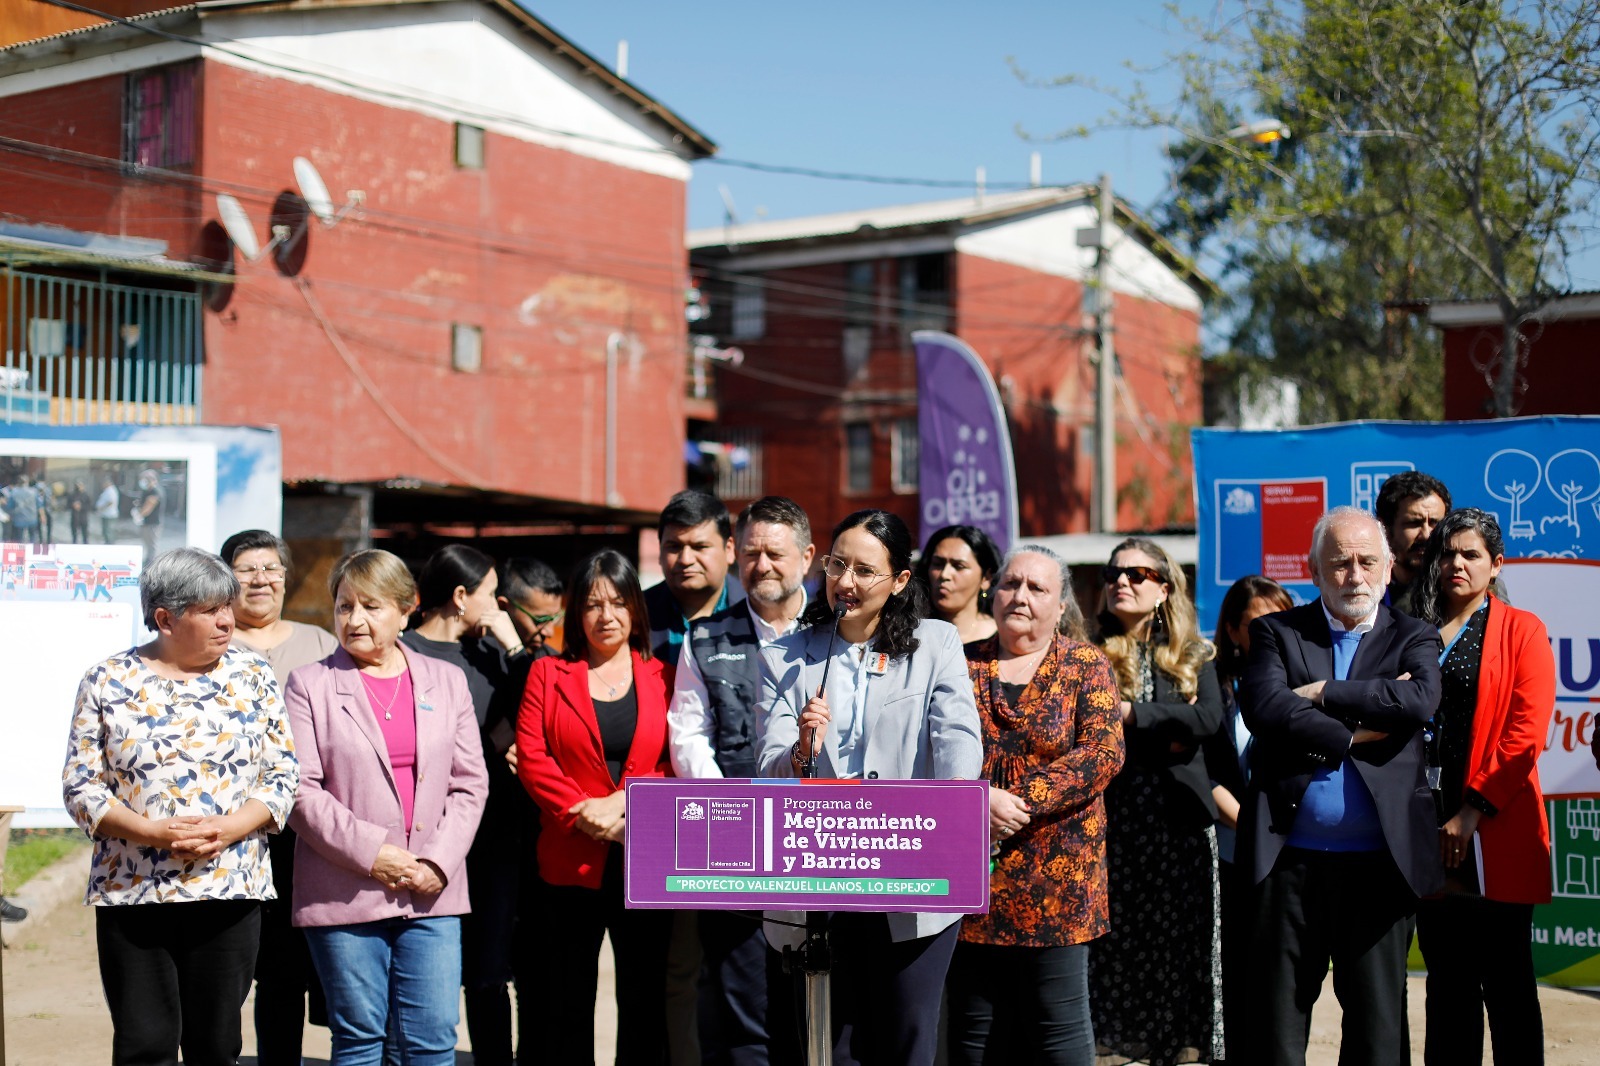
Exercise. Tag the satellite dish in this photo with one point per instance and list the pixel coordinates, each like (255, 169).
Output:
(314, 191)
(240, 231)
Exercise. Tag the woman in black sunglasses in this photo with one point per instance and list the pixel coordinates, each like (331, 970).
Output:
(1155, 984)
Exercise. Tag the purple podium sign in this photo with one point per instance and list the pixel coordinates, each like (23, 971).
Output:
(808, 845)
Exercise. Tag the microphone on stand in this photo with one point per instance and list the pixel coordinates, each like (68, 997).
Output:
(809, 766)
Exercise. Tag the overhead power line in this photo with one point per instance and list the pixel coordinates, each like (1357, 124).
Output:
(362, 82)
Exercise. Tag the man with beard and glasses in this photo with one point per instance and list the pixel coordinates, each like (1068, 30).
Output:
(1338, 828)
(1410, 504)
(712, 723)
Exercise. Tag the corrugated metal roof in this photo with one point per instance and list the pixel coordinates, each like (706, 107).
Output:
(81, 31)
(21, 251)
(966, 209)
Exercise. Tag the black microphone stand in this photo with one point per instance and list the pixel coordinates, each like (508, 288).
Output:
(816, 953)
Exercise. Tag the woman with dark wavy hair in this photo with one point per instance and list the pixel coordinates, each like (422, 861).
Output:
(1499, 688)
(958, 565)
(1155, 982)
(898, 705)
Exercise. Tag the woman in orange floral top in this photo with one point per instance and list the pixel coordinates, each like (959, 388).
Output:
(1052, 742)
(179, 764)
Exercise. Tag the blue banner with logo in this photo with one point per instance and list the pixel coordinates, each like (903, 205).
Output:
(1259, 492)
(965, 470)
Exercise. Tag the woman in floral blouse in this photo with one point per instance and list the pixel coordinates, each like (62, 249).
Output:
(1052, 742)
(179, 764)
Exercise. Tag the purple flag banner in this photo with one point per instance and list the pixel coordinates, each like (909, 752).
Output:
(965, 471)
(813, 845)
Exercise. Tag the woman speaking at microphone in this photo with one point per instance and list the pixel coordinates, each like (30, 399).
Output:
(897, 705)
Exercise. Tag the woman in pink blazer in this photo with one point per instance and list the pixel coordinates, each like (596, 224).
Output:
(391, 789)
(590, 719)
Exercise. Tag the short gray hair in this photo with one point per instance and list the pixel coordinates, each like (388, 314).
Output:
(1329, 519)
(1071, 616)
(183, 578)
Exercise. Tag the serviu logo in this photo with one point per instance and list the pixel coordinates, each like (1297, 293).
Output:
(692, 812)
(1239, 501)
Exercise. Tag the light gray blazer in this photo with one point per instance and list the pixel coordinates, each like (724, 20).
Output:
(921, 724)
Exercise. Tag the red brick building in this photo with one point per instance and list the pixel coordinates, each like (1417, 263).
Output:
(823, 403)
(490, 340)
(1559, 375)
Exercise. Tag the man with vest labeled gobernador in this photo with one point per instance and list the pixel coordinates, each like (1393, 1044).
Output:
(713, 735)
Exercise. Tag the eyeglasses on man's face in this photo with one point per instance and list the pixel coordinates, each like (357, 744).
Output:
(539, 620)
(865, 576)
(1137, 575)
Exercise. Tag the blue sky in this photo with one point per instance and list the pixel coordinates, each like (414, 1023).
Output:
(891, 87)
(881, 87)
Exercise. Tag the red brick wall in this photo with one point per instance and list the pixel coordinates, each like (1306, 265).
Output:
(1026, 326)
(89, 193)
(1559, 373)
(547, 251)
(796, 393)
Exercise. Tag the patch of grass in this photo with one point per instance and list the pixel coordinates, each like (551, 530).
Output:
(33, 850)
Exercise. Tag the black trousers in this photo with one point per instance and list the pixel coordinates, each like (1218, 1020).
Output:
(176, 975)
(1018, 1005)
(1354, 909)
(487, 940)
(885, 995)
(575, 920)
(1238, 916)
(735, 986)
(1479, 956)
(284, 974)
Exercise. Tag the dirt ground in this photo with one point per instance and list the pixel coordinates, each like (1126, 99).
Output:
(55, 1014)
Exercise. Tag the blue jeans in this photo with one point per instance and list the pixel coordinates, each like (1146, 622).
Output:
(407, 969)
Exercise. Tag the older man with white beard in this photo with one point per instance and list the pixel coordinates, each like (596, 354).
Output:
(1338, 826)
(712, 724)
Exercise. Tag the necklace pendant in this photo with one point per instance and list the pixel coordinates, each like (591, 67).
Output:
(388, 716)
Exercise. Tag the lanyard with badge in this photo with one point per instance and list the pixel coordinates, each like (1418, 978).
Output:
(1431, 733)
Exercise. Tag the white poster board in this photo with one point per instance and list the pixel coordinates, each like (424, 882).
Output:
(69, 592)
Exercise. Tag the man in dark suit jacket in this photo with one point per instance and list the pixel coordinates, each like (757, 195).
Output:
(1338, 826)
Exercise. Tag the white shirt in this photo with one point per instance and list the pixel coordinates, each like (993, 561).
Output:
(689, 724)
(106, 504)
(1337, 626)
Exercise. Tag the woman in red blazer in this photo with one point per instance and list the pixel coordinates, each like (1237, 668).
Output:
(1499, 689)
(591, 718)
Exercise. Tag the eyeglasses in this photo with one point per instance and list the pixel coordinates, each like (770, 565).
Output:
(1137, 575)
(539, 620)
(836, 568)
(272, 572)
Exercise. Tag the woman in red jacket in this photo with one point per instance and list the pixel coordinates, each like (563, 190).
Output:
(1483, 751)
(589, 719)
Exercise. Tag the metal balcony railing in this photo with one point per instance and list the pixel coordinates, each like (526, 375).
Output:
(77, 352)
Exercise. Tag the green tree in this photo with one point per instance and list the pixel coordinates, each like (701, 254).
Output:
(1440, 149)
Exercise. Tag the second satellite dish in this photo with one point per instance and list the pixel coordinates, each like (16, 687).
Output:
(315, 193)
(242, 232)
